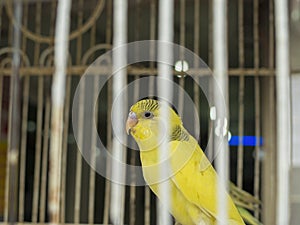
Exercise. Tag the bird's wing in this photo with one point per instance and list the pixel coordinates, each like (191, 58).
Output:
(197, 185)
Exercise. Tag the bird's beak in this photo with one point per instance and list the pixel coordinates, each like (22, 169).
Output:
(131, 121)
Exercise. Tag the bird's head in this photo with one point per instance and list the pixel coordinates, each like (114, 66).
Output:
(144, 120)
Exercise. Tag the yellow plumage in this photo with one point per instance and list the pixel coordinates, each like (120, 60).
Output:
(193, 184)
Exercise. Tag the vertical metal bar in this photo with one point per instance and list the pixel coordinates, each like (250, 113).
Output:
(196, 62)
(38, 149)
(58, 94)
(26, 86)
(147, 205)
(165, 92)
(93, 144)
(52, 18)
(109, 106)
(182, 43)
(4, 159)
(151, 93)
(1, 75)
(6, 193)
(240, 159)
(132, 198)
(197, 105)
(220, 71)
(256, 34)
(269, 129)
(108, 166)
(1, 10)
(93, 160)
(1, 97)
(257, 102)
(152, 36)
(78, 177)
(64, 138)
(109, 21)
(268, 120)
(182, 23)
(79, 156)
(11, 192)
(23, 147)
(271, 34)
(119, 82)
(196, 31)
(283, 111)
(36, 186)
(210, 153)
(45, 161)
(132, 213)
(65, 147)
(10, 32)
(109, 126)
(269, 164)
(257, 147)
(210, 33)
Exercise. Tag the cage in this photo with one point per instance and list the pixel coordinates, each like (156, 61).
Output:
(28, 58)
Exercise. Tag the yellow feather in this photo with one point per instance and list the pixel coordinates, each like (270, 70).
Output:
(193, 184)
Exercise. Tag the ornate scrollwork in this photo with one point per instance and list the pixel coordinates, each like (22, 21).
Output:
(92, 50)
(47, 57)
(49, 39)
(7, 59)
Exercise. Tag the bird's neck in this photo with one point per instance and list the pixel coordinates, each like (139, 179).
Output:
(149, 157)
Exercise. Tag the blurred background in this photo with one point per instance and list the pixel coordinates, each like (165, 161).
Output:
(85, 195)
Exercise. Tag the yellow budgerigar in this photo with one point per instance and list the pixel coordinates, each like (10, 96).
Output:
(193, 182)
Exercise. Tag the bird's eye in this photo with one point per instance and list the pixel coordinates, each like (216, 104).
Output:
(148, 115)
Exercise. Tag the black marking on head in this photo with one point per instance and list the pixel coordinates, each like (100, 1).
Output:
(149, 105)
(179, 134)
(156, 99)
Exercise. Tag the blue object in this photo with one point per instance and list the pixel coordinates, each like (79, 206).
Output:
(246, 141)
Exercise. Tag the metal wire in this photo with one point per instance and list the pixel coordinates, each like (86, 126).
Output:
(92, 177)
(39, 121)
(181, 57)
(42, 213)
(80, 141)
(108, 118)
(119, 81)
(58, 94)
(78, 176)
(196, 62)
(10, 213)
(26, 87)
(65, 148)
(165, 92)
(147, 204)
(283, 111)
(256, 56)
(133, 70)
(240, 164)
(132, 201)
(269, 131)
(220, 68)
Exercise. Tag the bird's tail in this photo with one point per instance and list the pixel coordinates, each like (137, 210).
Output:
(248, 217)
(245, 202)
